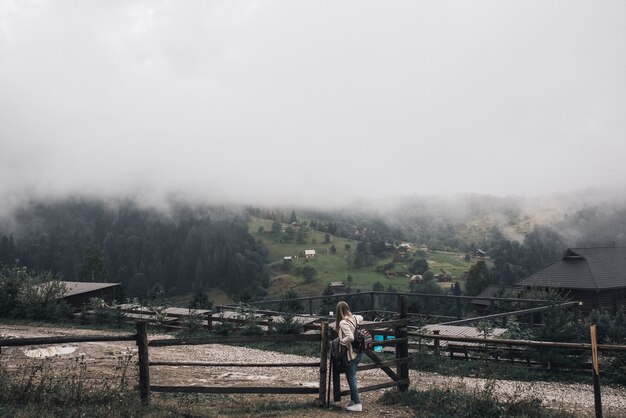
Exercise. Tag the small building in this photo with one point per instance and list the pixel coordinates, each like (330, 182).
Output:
(492, 291)
(309, 253)
(417, 278)
(287, 259)
(594, 276)
(78, 294)
(478, 253)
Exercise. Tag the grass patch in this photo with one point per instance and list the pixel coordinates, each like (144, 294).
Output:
(445, 366)
(447, 402)
(452, 263)
(203, 405)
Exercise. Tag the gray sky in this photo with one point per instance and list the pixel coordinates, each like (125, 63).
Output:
(294, 101)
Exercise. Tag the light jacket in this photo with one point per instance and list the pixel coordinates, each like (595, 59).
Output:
(346, 334)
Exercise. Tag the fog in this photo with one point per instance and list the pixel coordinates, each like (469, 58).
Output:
(310, 102)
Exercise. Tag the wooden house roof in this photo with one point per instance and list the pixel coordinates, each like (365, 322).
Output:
(75, 288)
(599, 268)
(493, 291)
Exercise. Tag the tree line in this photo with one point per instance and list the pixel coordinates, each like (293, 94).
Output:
(180, 250)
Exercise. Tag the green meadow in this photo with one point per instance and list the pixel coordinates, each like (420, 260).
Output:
(334, 267)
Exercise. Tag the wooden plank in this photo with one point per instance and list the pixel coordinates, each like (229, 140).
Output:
(523, 343)
(233, 364)
(323, 362)
(16, 342)
(239, 339)
(384, 363)
(379, 363)
(144, 368)
(379, 386)
(402, 349)
(237, 389)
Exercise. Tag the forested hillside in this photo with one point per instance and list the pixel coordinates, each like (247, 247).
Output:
(180, 250)
(188, 247)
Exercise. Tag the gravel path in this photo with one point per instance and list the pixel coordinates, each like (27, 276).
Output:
(102, 359)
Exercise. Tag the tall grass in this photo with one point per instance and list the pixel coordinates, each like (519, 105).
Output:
(40, 390)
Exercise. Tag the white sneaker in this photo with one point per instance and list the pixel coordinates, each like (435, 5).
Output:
(357, 407)
(350, 404)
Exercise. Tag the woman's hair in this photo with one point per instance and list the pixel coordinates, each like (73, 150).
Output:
(341, 311)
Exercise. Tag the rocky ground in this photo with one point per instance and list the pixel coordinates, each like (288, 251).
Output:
(108, 360)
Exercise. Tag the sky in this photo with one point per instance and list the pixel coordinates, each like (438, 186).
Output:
(311, 101)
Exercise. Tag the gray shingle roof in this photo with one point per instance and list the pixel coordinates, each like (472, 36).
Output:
(583, 268)
(75, 288)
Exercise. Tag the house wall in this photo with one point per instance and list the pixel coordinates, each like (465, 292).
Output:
(108, 295)
(608, 300)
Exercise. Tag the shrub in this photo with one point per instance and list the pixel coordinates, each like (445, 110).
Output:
(32, 295)
(224, 328)
(288, 325)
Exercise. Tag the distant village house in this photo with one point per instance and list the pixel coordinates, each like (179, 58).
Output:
(594, 276)
(478, 253)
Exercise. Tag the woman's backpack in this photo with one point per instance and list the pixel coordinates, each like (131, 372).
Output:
(362, 338)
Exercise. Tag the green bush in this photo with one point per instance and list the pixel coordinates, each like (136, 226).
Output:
(288, 325)
(251, 329)
(224, 328)
(29, 295)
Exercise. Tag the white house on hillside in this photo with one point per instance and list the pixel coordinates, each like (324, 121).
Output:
(309, 253)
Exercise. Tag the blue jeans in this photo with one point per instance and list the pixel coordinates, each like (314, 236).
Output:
(351, 377)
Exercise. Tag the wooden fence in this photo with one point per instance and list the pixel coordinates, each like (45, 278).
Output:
(507, 350)
(400, 377)
(397, 328)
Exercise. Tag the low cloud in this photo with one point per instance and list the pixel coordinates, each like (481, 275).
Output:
(310, 102)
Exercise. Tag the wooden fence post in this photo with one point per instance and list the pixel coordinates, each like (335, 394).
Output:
(596, 372)
(209, 319)
(269, 325)
(402, 349)
(144, 368)
(323, 362)
(436, 341)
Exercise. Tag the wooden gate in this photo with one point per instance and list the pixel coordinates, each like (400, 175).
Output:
(399, 377)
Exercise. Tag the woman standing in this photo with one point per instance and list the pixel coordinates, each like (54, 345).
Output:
(345, 324)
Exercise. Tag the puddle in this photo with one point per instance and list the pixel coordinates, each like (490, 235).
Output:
(49, 352)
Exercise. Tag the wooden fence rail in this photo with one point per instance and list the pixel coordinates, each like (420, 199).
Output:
(522, 343)
(227, 364)
(16, 342)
